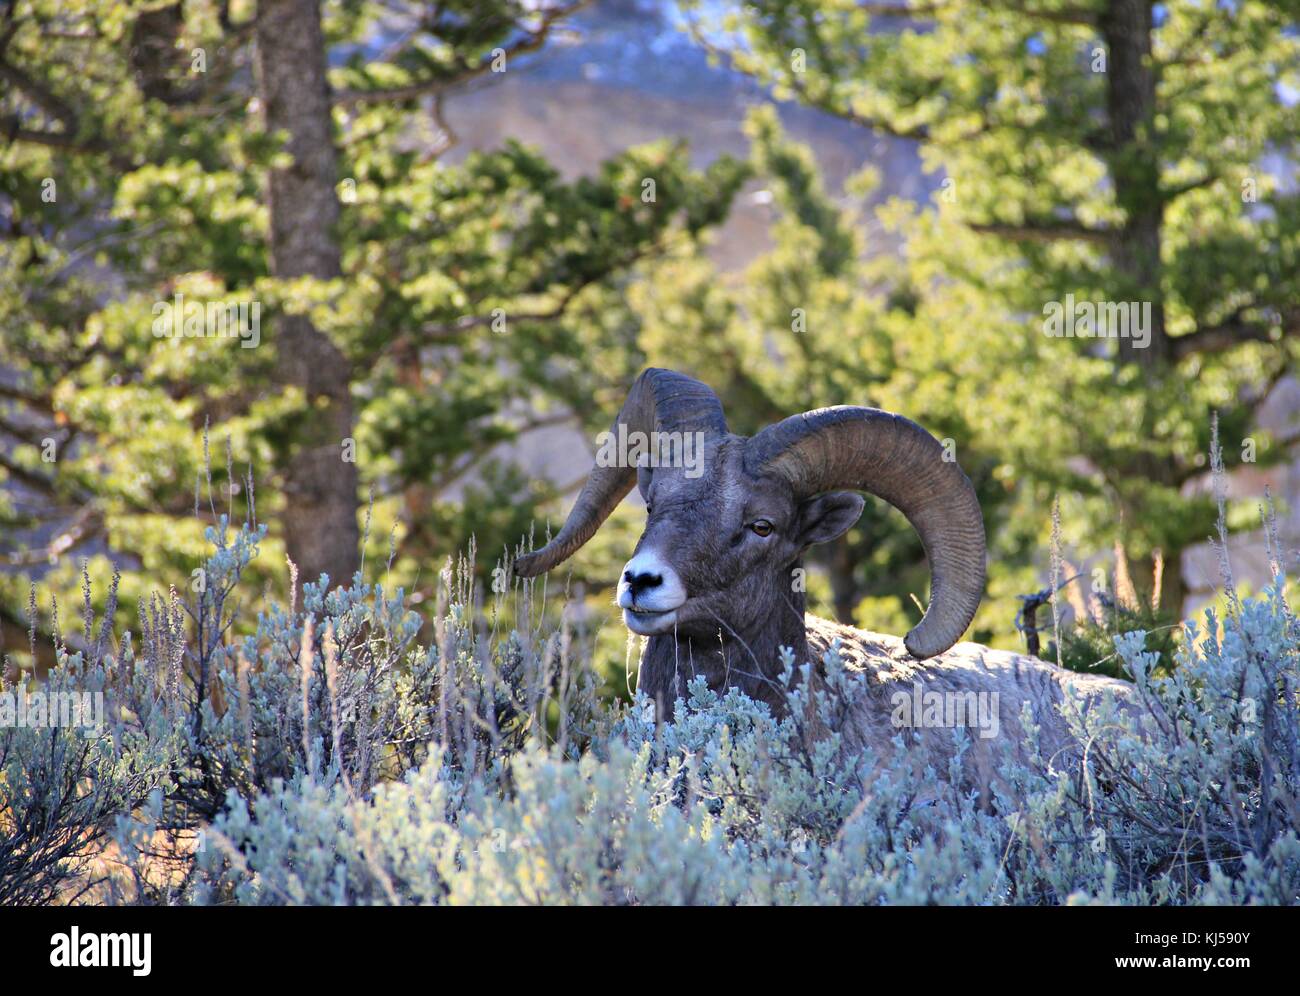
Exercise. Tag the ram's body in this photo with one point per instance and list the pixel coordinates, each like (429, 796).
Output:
(999, 680)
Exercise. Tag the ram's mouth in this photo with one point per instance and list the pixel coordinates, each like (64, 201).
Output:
(648, 622)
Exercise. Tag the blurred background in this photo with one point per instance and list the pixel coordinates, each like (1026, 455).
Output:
(455, 232)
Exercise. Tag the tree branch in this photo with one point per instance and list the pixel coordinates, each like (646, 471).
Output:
(530, 43)
(14, 131)
(878, 125)
(466, 323)
(450, 331)
(1042, 231)
(41, 95)
(902, 10)
(55, 107)
(85, 524)
(1169, 194)
(1059, 15)
(30, 434)
(1221, 337)
(30, 478)
(18, 394)
(477, 454)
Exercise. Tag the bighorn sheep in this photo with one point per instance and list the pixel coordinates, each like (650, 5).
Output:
(710, 582)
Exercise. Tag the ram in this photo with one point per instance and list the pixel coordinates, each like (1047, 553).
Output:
(714, 580)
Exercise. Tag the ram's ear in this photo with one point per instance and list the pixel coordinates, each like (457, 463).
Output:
(827, 517)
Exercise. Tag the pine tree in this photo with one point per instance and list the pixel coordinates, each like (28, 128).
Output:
(1099, 152)
(164, 165)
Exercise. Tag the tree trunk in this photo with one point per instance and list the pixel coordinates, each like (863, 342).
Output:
(320, 485)
(845, 594)
(1135, 170)
(1173, 585)
(1134, 161)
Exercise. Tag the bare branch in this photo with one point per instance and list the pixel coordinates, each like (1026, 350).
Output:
(1043, 231)
(11, 126)
(85, 524)
(1173, 193)
(30, 478)
(1058, 15)
(532, 41)
(1221, 337)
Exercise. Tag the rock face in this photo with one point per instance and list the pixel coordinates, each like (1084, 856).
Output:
(1280, 417)
(627, 74)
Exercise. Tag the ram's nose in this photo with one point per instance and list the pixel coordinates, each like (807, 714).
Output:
(650, 584)
(638, 583)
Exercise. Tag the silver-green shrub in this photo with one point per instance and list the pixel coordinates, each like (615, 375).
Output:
(67, 775)
(728, 805)
(347, 750)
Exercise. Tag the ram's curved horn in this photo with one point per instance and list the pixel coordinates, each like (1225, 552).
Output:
(895, 459)
(661, 401)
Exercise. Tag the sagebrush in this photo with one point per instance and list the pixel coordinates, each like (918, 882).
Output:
(334, 754)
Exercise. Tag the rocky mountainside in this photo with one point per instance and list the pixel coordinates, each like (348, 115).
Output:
(625, 73)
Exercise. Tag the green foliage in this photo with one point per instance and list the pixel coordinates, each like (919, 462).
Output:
(470, 306)
(1061, 172)
(1089, 645)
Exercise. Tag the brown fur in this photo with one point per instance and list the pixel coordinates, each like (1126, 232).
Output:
(1016, 679)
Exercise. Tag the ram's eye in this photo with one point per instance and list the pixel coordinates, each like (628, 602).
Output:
(762, 527)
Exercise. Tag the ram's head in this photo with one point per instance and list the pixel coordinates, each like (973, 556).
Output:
(728, 517)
